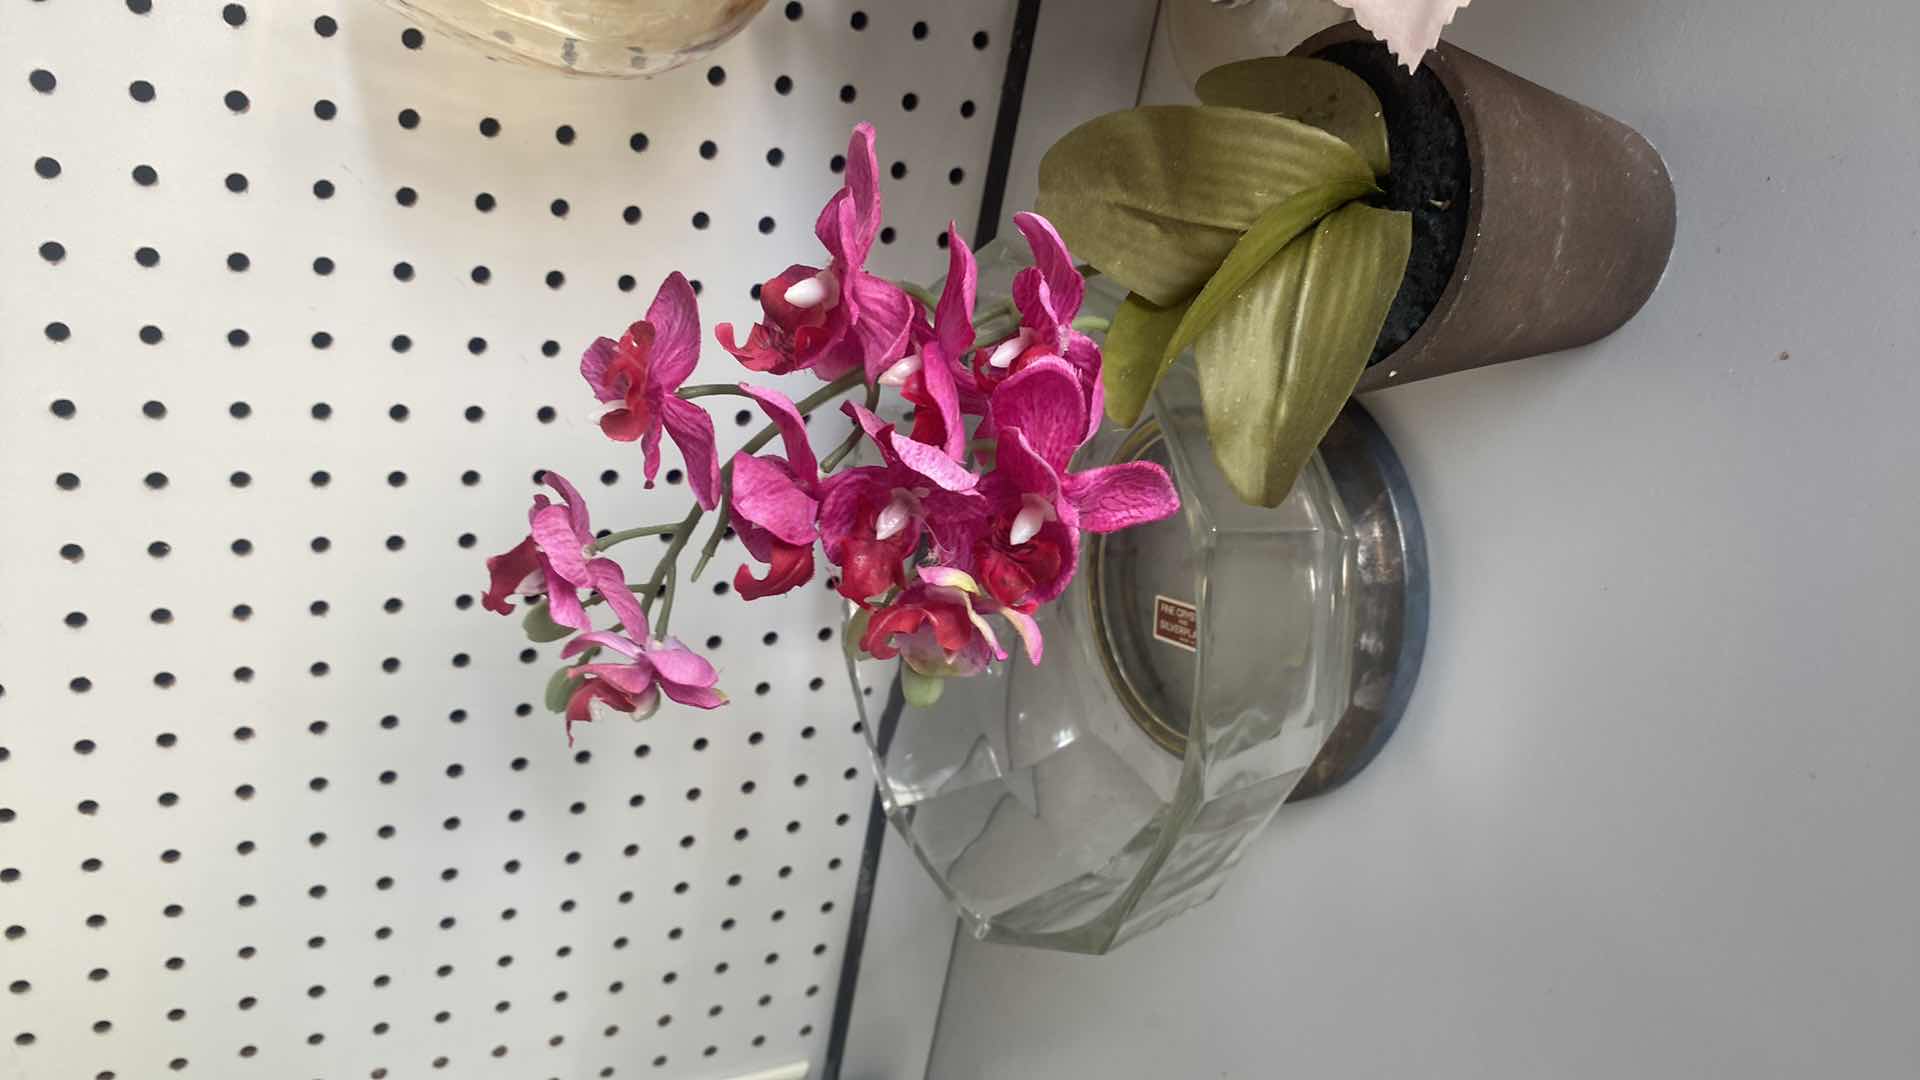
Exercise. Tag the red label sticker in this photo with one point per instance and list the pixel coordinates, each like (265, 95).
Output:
(1176, 623)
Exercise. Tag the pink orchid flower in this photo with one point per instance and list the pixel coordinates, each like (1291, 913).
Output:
(872, 517)
(641, 372)
(775, 503)
(1028, 546)
(840, 318)
(1048, 295)
(652, 667)
(930, 375)
(557, 559)
(937, 626)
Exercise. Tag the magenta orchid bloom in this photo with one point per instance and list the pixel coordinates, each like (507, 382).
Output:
(840, 318)
(871, 517)
(641, 372)
(937, 626)
(776, 501)
(1028, 546)
(930, 376)
(790, 338)
(651, 669)
(557, 559)
(1048, 295)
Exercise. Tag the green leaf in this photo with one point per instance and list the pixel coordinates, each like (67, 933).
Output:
(560, 688)
(1281, 361)
(1132, 357)
(1156, 197)
(1274, 231)
(1315, 92)
(921, 691)
(539, 626)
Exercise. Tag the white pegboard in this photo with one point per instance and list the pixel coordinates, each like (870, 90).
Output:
(344, 840)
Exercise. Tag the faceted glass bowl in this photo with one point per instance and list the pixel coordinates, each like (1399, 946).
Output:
(1193, 671)
(613, 38)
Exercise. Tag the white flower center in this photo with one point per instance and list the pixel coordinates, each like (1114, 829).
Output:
(1009, 350)
(1034, 512)
(898, 374)
(897, 514)
(822, 289)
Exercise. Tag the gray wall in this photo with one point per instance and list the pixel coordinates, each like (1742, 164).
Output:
(1653, 812)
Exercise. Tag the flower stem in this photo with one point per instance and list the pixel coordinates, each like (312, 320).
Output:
(712, 389)
(719, 527)
(668, 558)
(839, 454)
(624, 535)
(666, 601)
(920, 293)
(1092, 324)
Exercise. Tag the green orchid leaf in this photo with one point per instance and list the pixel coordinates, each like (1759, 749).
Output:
(1156, 197)
(538, 624)
(560, 688)
(1133, 355)
(921, 691)
(1275, 230)
(1282, 359)
(1314, 92)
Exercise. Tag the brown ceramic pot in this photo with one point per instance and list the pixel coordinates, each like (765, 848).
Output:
(1568, 216)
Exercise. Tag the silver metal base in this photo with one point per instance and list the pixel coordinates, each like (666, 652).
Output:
(1390, 597)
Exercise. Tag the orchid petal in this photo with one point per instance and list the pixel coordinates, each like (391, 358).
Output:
(553, 531)
(506, 571)
(842, 497)
(634, 678)
(885, 314)
(563, 605)
(700, 697)
(933, 463)
(793, 431)
(593, 367)
(950, 577)
(675, 316)
(863, 195)
(675, 663)
(765, 494)
(953, 317)
(580, 705)
(1029, 630)
(611, 581)
(1065, 287)
(789, 566)
(692, 431)
(576, 506)
(606, 639)
(1115, 497)
(1017, 465)
(649, 450)
(1045, 400)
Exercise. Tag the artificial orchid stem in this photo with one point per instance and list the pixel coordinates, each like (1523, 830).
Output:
(832, 461)
(712, 389)
(920, 293)
(666, 603)
(624, 535)
(719, 532)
